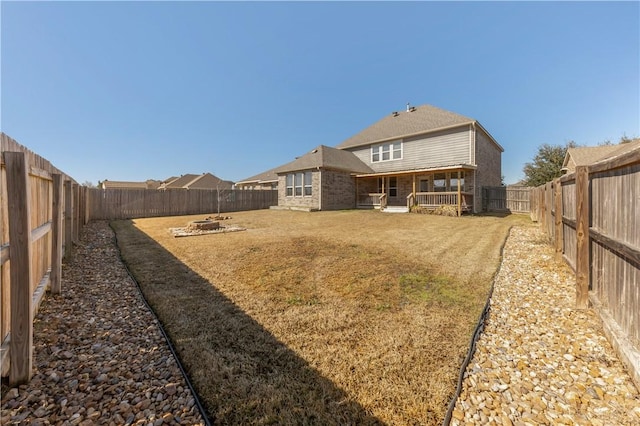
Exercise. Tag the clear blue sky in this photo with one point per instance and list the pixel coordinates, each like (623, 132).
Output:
(139, 90)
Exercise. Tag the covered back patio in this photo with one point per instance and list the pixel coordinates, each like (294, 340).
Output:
(428, 188)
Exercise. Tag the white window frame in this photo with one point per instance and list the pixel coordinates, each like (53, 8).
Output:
(391, 150)
(307, 190)
(289, 184)
(299, 184)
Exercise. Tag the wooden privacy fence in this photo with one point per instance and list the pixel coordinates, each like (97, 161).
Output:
(514, 199)
(39, 220)
(136, 203)
(592, 217)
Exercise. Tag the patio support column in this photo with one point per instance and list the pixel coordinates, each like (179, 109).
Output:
(459, 196)
(414, 188)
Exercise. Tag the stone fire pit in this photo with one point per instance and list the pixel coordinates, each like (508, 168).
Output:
(204, 227)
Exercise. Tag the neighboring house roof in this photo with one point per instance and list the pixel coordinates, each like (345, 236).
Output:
(119, 184)
(191, 181)
(622, 148)
(587, 155)
(417, 120)
(264, 177)
(327, 158)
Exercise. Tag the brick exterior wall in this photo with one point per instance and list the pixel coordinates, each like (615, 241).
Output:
(489, 172)
(338, 190)
(304, 202)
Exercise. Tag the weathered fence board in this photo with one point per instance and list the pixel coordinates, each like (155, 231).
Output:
(31, 237)
(514, 199)
(21, 261)
(600, 233)
(136, 203)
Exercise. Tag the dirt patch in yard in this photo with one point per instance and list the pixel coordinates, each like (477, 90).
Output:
(349, 317)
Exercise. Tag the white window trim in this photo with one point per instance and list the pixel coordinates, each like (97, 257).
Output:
(287, 186)
(296, 183)
(378, 150)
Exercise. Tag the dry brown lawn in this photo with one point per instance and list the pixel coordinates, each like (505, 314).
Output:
(348, 317)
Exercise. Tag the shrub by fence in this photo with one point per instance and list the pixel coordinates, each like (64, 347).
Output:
(40, 217)
(136, 203)
(592, 217)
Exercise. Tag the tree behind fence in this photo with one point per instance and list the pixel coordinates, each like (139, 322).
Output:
(136, 203)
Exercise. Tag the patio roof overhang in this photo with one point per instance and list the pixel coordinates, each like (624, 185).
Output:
(416, 171)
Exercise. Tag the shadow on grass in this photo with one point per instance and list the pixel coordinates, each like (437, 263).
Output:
(242, 373)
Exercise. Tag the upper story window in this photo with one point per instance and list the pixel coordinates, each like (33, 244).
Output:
(386, 151)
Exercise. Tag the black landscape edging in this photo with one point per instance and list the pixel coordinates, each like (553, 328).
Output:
(475, 337)
(203, 412)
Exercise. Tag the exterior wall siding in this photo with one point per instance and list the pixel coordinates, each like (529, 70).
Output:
(440, 149)
(489, 171)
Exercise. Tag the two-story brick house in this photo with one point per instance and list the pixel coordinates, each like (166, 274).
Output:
(423, 156)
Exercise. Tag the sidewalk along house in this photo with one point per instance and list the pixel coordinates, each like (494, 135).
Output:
(424, 156)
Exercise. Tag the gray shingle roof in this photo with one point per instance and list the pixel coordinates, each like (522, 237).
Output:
(422, 119)
(622, 148)
(585, 155)
(327, 158)
(268, 176)
(202, 181)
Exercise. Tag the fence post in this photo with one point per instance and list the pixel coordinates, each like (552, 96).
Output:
(76, 212)
(68, 220)
(56, 235)
(20, 347)
(583, 239)
(86, 205)
(559, 240)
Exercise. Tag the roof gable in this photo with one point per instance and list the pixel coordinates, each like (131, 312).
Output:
(585, 155)
(327, 158)
(421, 119)
(203, 181)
